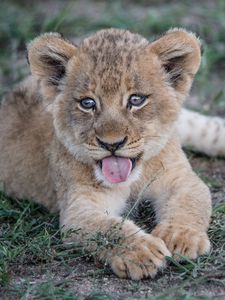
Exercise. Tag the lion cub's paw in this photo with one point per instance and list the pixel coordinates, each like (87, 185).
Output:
(140, 258)
(183, 240)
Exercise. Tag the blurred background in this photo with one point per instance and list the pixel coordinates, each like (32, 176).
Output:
(22, 20)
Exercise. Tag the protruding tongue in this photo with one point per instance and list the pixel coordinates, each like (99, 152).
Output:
(116, 169)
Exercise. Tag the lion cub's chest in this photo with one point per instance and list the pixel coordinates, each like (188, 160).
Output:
(114, 200)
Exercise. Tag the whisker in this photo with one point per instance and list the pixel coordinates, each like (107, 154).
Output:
(133, 142)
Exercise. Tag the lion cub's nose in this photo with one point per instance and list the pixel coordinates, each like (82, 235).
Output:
(112, 147)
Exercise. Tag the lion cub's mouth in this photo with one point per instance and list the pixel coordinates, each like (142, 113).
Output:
(117, 169)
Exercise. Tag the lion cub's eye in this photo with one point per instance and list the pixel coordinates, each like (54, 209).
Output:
(136, 100)
(88, 103)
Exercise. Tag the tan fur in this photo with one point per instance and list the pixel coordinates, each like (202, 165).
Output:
(48, 146)
(205, 134)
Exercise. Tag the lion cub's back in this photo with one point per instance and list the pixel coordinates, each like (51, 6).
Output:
(203, 133)
(25, 138)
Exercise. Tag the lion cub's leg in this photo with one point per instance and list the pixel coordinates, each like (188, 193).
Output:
(129, 250)
(183, 207)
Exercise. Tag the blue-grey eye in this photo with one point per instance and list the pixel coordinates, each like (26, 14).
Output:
(88, 103)
(136, 100)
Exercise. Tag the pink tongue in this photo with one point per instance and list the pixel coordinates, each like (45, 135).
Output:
(116, 169)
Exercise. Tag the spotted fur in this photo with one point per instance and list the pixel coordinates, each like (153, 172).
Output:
(203, 133)
(49, 149)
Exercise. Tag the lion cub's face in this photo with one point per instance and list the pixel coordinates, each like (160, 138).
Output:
(116, 97)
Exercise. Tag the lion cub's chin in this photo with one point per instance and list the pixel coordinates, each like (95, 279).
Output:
(134, 176)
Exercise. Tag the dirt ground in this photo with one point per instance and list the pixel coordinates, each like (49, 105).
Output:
(88, 283)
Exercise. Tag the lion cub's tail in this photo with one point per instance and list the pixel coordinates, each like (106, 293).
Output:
(203, 133)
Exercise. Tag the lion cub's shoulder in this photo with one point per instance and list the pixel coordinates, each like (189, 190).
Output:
(24, 97)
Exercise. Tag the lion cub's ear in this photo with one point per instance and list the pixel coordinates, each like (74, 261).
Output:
(48, 56)
(180, 54)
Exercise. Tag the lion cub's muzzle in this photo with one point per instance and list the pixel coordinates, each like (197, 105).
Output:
(112, 147)
(116, 168)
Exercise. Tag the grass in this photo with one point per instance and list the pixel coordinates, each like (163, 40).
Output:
(31, 250)
(18, 26)
(29, 238)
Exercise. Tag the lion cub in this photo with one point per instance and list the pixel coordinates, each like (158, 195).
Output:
(95, 124)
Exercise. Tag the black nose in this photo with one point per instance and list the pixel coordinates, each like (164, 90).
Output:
(112, 147)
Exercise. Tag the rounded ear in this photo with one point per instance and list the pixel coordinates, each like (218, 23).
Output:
(48, 56)
(179, 52)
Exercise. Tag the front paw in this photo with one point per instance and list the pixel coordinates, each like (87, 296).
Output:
(183, 240)
(140, 257)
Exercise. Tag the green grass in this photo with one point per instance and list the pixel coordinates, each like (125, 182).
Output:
(29, 237)
(19, 24)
